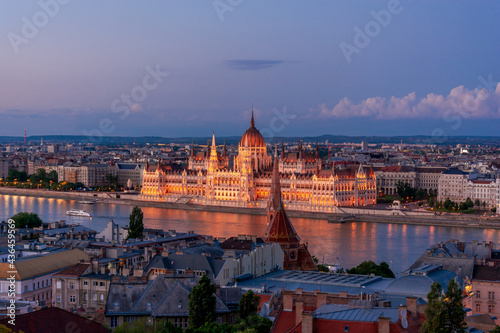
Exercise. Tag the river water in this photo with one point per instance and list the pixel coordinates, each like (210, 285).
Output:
(346, 244)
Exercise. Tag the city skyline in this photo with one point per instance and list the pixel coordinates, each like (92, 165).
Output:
(192, 68)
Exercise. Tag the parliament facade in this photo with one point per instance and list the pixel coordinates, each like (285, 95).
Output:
(209, 179)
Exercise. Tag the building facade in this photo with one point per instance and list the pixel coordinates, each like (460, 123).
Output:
(304, 186)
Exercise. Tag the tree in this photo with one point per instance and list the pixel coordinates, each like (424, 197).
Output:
(454, 307)
(29, 220)
(253, 324)
(469, 202)
(52, 176)
(369, 267)
(405, 191)
(249, 304)
(496, 329)
(136, 226)
(477, 202)
(323, 268)
(444, 313)
(16, 175)
(202, 303)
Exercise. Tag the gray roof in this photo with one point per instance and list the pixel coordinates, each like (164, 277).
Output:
(187, 261)
(343, 312)
(162, 297)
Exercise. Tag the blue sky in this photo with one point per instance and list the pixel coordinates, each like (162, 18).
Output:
(430, 67)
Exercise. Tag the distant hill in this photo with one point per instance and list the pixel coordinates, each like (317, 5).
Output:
(233, 140)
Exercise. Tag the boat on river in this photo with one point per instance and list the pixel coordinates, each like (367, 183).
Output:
(78, 212)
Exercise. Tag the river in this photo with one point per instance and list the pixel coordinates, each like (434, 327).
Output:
(347, 244)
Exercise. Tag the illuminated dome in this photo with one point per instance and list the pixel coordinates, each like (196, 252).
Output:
(252, 136)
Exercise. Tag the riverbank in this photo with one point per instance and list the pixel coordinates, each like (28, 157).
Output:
(353, 214)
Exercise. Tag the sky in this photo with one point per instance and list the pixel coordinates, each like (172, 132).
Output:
(190, 68)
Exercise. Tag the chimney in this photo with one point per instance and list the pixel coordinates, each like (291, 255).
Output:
(384, 325)
(411, 304)
(299, 308)
(95, 265)
(320, 299)
(287, 301)
(298, 291)
(307, 322)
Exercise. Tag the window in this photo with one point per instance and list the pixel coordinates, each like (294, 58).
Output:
(58, 298)
(85, 296)
(346, 328)
(491, 295)
(94, 297)
(491, 308)
(94, 283)
(478, 307)
(101, 297)
(114, 321)
(58, 285)
(72, 299)
(101, 284)
(71, 286)
(478, 293)
(25, 288)
(42, 283)
(85, 283)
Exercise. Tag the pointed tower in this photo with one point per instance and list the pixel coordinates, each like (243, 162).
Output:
(213, 161)
(275, 193)
(192, 149)
(282, 149)
(317, 150)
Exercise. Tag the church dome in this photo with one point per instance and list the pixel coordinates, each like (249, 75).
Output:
(252, 137)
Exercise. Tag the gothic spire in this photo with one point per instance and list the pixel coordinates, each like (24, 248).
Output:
(252, 121)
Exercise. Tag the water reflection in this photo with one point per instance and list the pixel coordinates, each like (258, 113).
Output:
(352, 243)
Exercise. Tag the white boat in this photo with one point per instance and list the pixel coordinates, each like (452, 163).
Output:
(78, 212)
(86, 202)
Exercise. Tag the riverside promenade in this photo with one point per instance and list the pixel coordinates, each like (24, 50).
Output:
(347, 214)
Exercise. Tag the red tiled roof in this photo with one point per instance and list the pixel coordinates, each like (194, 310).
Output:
(53, 320)
(74, 271)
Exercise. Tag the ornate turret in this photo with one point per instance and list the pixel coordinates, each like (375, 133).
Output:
(317, 150)
(192, 150)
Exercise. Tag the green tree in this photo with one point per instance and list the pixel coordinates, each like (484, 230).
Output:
(496, 329)
(136, 226)
(477, 202)
(253, 324)
(444, 313)
(16, 175)
(24, 219)
(202, 303)
(369, 267)
(405, 191)
(469, 202)
(249, 304)
(431, 202)
(323, 268)
(52, 176)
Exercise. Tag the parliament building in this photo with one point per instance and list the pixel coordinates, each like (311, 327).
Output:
(304, 185)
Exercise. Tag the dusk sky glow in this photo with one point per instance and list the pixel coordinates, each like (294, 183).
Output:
(193, 67)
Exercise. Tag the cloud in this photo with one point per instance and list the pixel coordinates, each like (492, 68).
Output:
(252, 65)
(478, 103)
